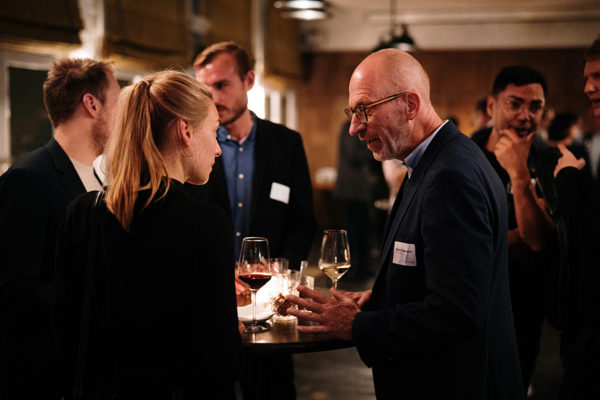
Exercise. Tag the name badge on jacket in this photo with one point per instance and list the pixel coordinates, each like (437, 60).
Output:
(280, 192)
(404, 254)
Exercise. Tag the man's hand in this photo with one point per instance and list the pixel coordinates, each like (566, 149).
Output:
(240, 287)
(567, 160)
(360, 298)
(512, 151)
(334, 314)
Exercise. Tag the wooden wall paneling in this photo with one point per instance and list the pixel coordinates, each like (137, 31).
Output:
(230, 20)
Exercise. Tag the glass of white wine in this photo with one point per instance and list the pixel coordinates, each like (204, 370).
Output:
(335, 254)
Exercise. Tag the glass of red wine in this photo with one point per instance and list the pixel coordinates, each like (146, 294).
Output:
(254, 269)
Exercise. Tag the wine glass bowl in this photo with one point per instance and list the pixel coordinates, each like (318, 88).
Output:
(254, 269)
(334, 260)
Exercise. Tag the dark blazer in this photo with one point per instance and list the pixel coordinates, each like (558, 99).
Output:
(34, 194)
(279, 157)
(439, 324)
(164, 319)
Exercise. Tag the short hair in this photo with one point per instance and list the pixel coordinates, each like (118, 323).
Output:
(144, 114)
(518, 75)
(593, 53)
(559, 127)
(244, 62)
(481, 106)
(69, 80)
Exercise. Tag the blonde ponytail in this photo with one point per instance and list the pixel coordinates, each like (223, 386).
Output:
(144, 114)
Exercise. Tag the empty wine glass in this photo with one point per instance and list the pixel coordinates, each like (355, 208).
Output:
(254, 269)
(335, 254)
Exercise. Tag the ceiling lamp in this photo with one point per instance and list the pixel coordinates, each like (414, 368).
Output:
(401, 41)
(308, 10)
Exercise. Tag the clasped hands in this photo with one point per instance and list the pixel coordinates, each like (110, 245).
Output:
(334, 314)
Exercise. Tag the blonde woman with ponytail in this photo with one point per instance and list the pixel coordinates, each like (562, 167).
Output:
(156, 317)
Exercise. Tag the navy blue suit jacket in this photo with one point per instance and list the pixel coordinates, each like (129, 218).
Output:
(439, 323)
(34, 194)
(279, 157)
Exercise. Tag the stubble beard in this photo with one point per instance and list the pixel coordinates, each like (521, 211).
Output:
(100, 133)
(238, 112)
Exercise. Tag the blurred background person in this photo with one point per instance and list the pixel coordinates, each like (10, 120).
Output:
(575, 282)
(152, 266)
(79, 96)
(519, 158)
(359, 184)
(479, 117)
(545, 121)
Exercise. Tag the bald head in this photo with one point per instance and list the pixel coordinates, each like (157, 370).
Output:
(390, 105)
(392, 71)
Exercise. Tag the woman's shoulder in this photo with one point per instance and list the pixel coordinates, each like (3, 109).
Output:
(194, 207)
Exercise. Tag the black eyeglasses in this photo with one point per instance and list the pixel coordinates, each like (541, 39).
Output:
(515, 105)
(361, 109)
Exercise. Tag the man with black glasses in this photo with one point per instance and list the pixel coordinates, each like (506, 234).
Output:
(518, 156)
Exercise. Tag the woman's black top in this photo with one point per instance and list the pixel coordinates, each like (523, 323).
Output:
(163, 315)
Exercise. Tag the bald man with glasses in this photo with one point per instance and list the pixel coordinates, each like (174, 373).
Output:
(438, 322)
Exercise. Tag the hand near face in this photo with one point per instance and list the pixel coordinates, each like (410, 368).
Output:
(567, 160)
(512, 151)
(334, 314)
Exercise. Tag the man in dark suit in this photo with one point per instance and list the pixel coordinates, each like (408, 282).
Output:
(79, 96)
(263, 183)
(438, 322)
(262, 179)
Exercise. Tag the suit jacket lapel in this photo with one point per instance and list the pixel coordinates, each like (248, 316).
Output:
(409, 188)
(67, 175)
(218, 185)
(261, 154)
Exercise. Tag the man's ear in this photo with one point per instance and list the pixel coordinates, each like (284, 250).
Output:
(184, 132)
(491, 103)
(249, 80)
(90, 104)
(413, 101)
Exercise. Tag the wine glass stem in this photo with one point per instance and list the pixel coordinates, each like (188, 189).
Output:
(253, 294)
(335, 283)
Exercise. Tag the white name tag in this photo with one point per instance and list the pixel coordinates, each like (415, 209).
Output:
(280, 192)
(404, 254)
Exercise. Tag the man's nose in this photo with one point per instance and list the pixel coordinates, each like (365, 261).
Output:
(589, 87)
(355, 126)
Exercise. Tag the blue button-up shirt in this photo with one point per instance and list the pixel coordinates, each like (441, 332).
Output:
(414, 157)
(238, 163)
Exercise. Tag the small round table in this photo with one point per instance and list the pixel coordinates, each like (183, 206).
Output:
(283, 338)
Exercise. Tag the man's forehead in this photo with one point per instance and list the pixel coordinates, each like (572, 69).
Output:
(362, 88)
(530, 91)
(221, 65)
(591, 66)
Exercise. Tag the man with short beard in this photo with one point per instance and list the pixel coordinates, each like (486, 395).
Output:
(263, 183)
(79, 95)
(519, 158)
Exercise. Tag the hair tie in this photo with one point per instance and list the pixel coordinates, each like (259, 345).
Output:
(147, 84)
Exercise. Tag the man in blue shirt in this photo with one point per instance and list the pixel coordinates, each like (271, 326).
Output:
(262, 181)
(438, 321)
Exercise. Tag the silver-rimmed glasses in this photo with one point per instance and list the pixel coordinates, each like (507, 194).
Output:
(361, 109)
